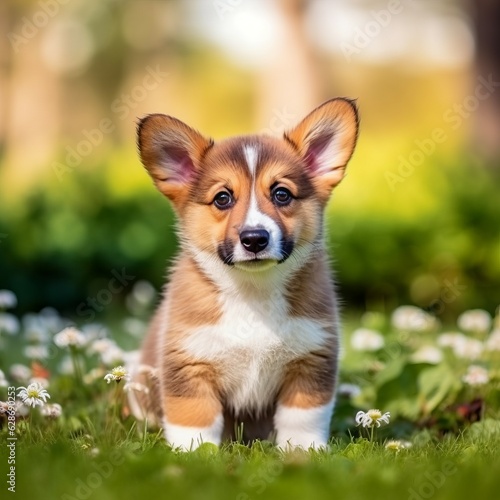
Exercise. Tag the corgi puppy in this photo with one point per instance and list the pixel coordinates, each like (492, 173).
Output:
(246, 336)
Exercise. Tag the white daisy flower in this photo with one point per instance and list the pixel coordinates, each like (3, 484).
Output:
(451, 339)
(70, 337)
(40, 380)
(427, 354)
(33, 395)
(9, 324)
(493, 342)
(52, 411)
(8, 299)
(412, 319)
(36, 351)
(112, 356)
(468, 349)
(475, 320)
(365, 339)
(372, 418)
(36, 334)
(135, 326)
(142, 295)
(20, 373)
(349, 390)
(100, 346)
(3, 380)
(135, 386)
(397, 445)
(476, 375)
(117, 374)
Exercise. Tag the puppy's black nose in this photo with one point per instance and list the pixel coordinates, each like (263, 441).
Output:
(254, 240)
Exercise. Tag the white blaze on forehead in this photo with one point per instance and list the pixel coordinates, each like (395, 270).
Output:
(251, 156)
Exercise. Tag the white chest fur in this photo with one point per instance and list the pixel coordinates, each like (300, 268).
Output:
(253, 341)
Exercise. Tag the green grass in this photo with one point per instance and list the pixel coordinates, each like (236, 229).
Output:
(60, 464)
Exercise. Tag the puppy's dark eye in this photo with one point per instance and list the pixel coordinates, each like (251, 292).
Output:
(281, 196)
(223, 200)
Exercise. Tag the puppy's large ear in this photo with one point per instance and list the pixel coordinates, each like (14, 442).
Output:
(325, 140)
(171, 152)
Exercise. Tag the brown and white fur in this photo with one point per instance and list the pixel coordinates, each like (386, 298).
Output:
(247, 330)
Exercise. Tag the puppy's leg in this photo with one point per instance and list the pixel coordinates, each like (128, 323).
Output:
(192, 409)
(305, 403)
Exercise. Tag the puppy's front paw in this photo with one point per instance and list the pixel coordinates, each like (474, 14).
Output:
(184, 438)
(303, 427)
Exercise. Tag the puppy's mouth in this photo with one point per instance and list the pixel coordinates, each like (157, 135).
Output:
(255, 262)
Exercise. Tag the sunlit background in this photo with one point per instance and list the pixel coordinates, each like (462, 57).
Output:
(415, 221)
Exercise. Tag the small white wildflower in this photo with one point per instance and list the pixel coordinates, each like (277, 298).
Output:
(20, 373)
(412, 319)
(9, 324)
(476, 375)
(36, 352)
(427, 354)
(135, 326)
(66, 366)
(349, 390)
(397, 445)
(365, 339)
(52, 411)
(468, 349)
(95, 331)
(135, 386)
(4, 407)
(112, 356)
(372, 418)
(493, 342)
(40, 380)
(451, 339)
(33, 395)
(117, 374)
(93, 375)
(100, 346)
(36, 334)
(475, 320)
(3, 380)
(143, 294)
(8, 299)
(21, 409)
(70, 337)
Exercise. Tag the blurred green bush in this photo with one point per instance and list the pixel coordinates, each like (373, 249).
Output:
(64, 241)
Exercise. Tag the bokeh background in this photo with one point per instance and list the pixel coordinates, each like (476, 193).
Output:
(415, 221)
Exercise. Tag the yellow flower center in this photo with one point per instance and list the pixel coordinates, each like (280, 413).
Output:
(374, 414)
(32, 393)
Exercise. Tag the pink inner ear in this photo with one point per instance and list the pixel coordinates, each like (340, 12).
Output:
(180, 164)
(317, 146)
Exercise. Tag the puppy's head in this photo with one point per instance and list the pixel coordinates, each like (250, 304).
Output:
(251, 202)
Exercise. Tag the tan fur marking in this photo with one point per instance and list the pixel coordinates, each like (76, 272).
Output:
(310, 381)
(192, 412)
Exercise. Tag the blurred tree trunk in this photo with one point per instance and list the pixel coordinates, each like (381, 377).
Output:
(290, 83)
(487, 25)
